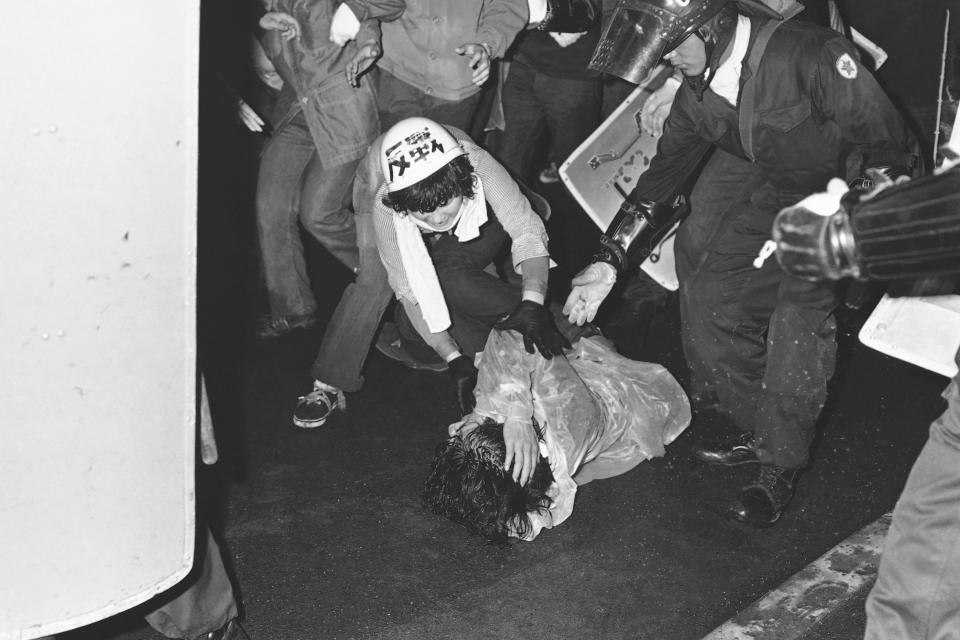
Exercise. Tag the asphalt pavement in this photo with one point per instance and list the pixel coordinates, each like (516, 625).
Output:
(327, 537)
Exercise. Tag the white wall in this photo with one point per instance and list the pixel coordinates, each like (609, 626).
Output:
(97, 314)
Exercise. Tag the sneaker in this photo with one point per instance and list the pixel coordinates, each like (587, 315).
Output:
(551, 174)
(276, 326)
(316, 407)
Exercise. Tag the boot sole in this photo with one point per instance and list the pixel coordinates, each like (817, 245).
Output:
(309, 424)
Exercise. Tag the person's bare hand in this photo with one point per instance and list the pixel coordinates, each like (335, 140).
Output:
(522, 450)
(286, 24)
(478, 59)
(361, 62)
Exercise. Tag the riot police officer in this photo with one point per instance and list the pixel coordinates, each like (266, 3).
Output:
(781, 106)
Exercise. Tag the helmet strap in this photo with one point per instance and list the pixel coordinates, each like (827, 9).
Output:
(716, 49)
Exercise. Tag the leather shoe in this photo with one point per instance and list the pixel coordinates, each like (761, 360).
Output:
(762, 503)
(230, 631)
(740, 450)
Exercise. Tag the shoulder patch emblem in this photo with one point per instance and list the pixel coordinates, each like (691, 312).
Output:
(847, 67)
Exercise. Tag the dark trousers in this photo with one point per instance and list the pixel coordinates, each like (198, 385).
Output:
(397, 100)
(761, 343)
(532, 101)
(476, 296)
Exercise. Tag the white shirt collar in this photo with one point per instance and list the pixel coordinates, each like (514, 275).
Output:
(726, 82)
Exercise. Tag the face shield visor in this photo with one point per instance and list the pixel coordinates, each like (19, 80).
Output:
(641, 32)
(635, 39)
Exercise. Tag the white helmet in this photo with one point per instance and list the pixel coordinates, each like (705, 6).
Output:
(413, 149)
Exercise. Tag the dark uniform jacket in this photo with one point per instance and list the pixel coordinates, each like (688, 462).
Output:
(818, 114)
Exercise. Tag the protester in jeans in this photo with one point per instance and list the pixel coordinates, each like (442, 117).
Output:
(307, 167)
(339, 363)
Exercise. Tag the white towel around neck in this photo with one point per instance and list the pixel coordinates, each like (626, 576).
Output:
(421, 274)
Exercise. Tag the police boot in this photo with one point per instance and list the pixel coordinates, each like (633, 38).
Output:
(760, 504)
(230, 631)
(733, 452)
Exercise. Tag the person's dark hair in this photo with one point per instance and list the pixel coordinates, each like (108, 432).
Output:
(467, 484)
(453, 179)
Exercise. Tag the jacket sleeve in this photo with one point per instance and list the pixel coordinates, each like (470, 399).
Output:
(440, 341)
(369, 33)
(845, 92)
(389, 247)
(385, 10)
(511, 207)
(679, 153)
(500, 22)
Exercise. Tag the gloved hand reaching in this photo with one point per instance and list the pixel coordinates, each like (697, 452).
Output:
(590, 288)
(533, 321)
(465, 378)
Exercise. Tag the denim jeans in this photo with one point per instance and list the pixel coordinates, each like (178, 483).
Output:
(569, 109)
(397, 100)
(760, 341)
(206, 604)
(292, 190)
(351, 330)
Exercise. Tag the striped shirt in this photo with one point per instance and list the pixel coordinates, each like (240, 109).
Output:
(503, 196)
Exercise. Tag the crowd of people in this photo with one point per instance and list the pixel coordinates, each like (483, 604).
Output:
(377, 151)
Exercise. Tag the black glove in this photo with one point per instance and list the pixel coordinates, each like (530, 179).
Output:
(465, 377)
(535, 323)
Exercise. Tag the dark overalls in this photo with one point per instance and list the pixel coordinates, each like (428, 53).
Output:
(759, 342)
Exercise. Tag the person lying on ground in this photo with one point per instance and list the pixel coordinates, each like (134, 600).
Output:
(543, 427)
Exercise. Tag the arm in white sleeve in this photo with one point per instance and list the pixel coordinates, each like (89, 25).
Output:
(535, 273)
(441, 342)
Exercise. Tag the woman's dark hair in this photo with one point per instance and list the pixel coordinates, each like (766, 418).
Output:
(453, 179)
(468, 484)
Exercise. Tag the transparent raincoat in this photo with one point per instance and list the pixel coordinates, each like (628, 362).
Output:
(600, 414)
